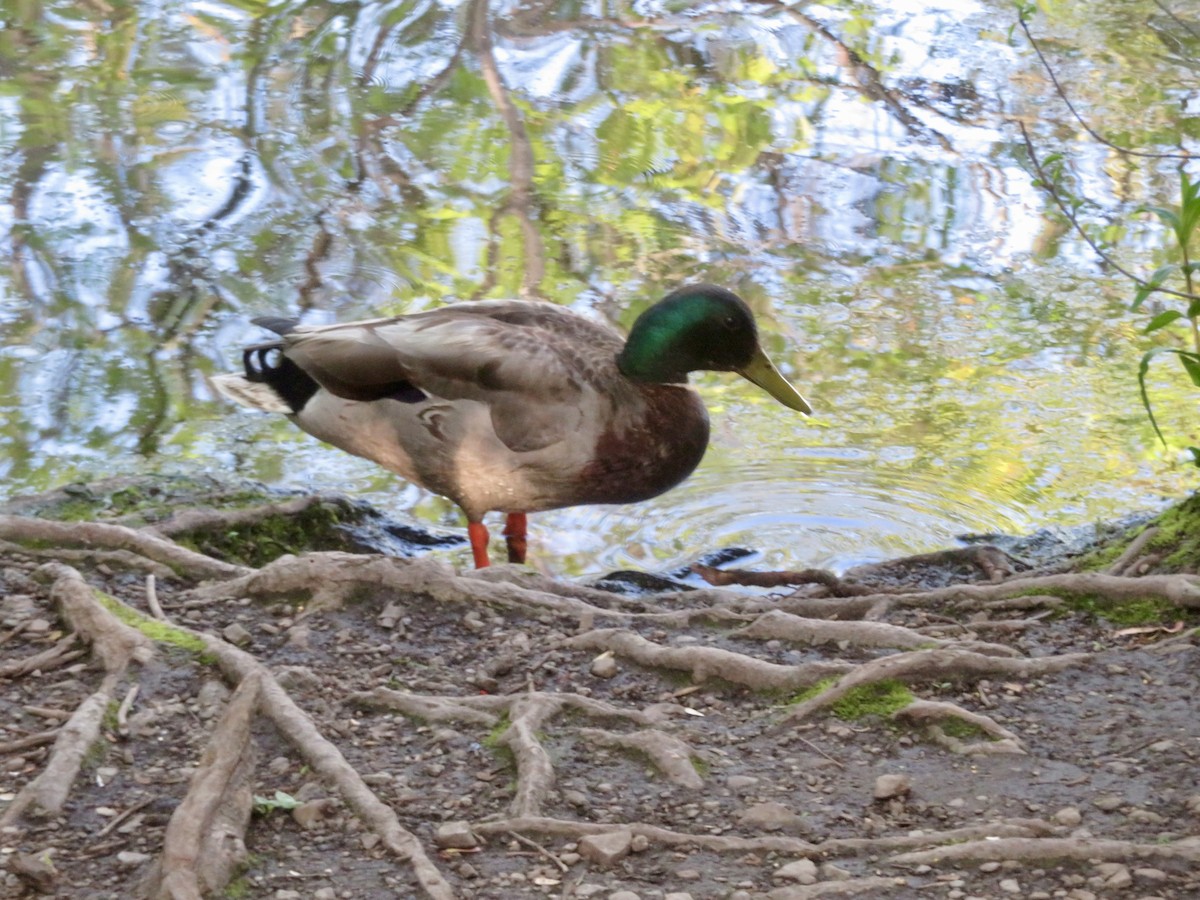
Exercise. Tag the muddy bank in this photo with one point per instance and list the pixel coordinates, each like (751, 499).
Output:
(231, 693)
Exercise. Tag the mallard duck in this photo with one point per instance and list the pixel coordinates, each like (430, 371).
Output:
(513, 406)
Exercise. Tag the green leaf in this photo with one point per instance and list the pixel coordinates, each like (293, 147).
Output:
(1169, 216)
(1143, 368)
(1191, 363)
(1155, 280)
(1162, 320)
(264, 805)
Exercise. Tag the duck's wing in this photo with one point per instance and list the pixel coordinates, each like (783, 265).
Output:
(530, 363)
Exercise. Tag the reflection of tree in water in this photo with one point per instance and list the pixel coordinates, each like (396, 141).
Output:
(342, 157)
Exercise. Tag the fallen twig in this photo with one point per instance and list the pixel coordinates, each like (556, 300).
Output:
(116, 537)
(57, 655)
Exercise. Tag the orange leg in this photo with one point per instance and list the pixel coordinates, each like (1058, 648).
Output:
(514, 536)
(478, 534)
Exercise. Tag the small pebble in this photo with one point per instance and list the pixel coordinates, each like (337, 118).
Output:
(803, 871)
(456, 836)
(236, 634)
(889, 786)
(1068, 816)
(604, 666)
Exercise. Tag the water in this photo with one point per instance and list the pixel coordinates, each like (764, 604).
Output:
(172, 169)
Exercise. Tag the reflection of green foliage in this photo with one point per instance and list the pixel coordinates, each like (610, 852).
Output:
(380, 181)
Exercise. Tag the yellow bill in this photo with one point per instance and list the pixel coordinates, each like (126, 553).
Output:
(762, 372)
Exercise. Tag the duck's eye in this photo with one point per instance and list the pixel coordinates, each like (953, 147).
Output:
(730, 323)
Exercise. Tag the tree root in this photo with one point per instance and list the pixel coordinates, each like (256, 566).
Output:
(868, 884)
(993, 562)
(113, 642)
(486, 709)
(22, 529)
(709, 662)
(767, 843)
(115, 645)
(535, 771)
(923, 665)
(778, 625)
(990, 831)
(205, 838)
(1039, 850)
(670, 755)
(193, 520)
(1025, 592)
(528, 713)
(338, 576)
(837, 587)
(49, 789)
(59, 654)
(47, 793)
(325, 759)
(30, 740)
(1181, 590)
(522, 577)
(929, 710)
(472, 710)
(720, 843)
(1125, 561)
(121, 559)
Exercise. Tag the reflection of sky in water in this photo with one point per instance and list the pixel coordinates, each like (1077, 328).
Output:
(969, 374)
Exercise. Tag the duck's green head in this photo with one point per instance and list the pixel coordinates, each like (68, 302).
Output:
(705, 327)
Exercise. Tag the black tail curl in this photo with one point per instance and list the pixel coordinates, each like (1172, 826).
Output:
(259, 363)
(268, 364)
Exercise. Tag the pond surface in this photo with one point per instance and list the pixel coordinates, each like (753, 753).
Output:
(855, 170)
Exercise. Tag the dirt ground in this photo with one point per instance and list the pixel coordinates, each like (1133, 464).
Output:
(180, 720)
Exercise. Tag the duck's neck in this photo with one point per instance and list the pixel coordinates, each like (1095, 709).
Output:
(649, 369)
(654, 352)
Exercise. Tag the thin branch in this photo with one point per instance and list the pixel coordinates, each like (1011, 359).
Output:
(1096, 136)
(1186, 26)
(1048, 182)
